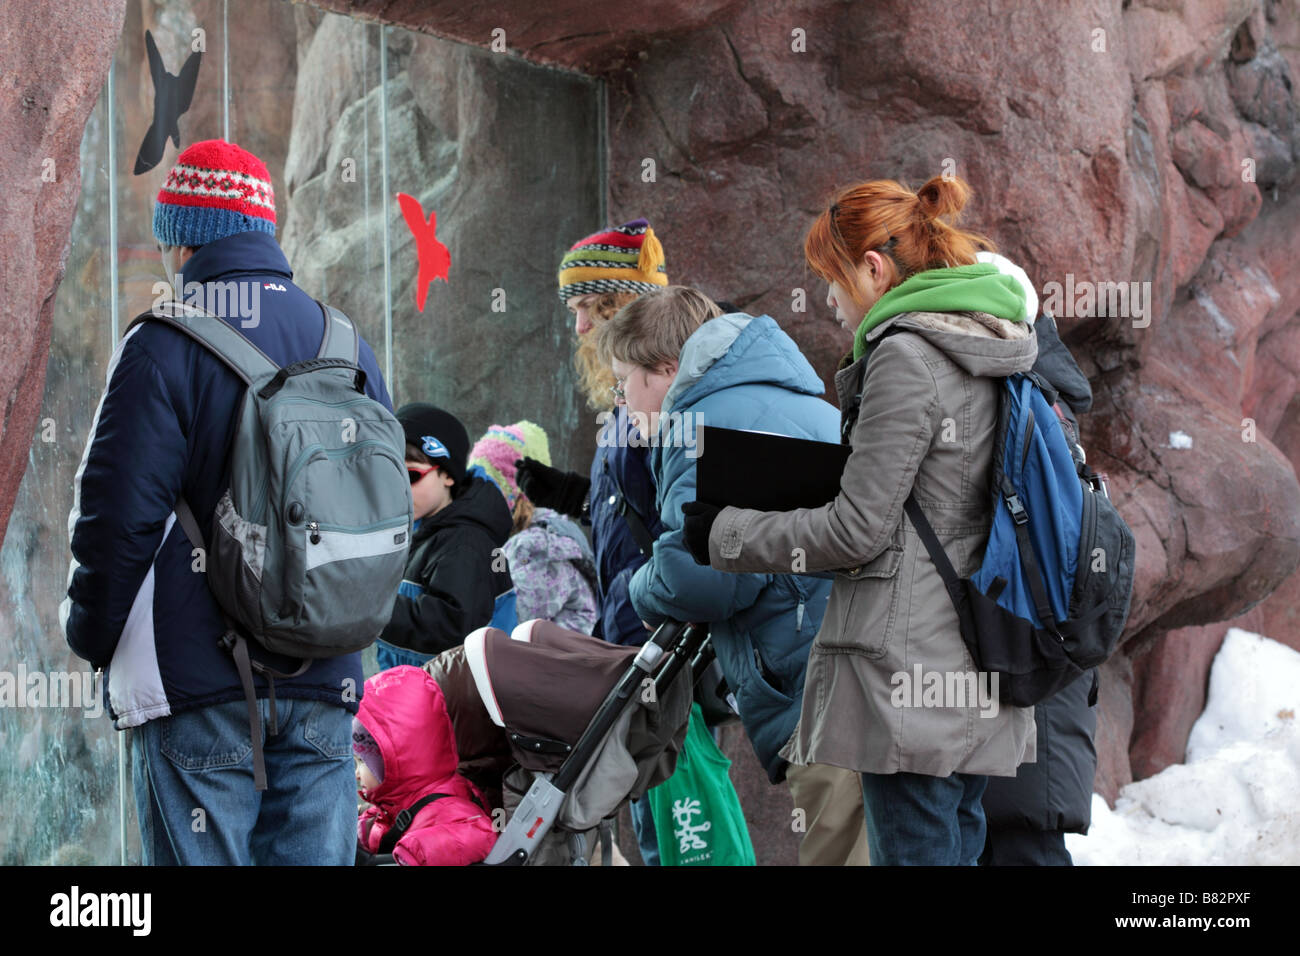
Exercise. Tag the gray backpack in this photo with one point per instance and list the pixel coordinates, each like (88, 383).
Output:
(309, 541)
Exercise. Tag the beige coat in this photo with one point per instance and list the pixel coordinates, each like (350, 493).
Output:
(927, 420)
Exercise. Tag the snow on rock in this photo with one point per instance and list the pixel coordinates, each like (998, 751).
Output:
(1236, 801)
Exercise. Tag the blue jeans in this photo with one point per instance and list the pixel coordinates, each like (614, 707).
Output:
(194, 793)
(915, 820)
(390, 655)
(643, 825)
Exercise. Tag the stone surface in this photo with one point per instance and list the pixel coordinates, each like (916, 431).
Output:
(1143, 142)
(1115, 722)
(1096, 158)
(45, 105)
(506, 155)
(1170, 682)
(569, 33)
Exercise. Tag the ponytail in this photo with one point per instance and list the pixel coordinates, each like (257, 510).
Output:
(916, 231)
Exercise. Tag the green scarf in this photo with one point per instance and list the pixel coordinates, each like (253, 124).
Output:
(977, 288)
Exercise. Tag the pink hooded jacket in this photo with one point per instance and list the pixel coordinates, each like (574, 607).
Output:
(404, 710)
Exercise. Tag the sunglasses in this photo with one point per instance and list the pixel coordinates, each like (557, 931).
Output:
(416, 472)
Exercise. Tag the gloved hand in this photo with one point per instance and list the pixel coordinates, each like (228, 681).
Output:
(546, 487)
(695, 531)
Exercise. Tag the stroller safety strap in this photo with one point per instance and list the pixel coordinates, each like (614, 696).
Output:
(404, 820)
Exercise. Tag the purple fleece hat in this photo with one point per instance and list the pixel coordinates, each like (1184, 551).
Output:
(365, 747)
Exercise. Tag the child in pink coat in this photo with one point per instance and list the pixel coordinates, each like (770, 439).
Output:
(405, 751)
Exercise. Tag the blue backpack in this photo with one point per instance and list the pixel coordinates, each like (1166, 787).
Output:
(1052, 593)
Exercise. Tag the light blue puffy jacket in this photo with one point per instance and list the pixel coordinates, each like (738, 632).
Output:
(740, 372)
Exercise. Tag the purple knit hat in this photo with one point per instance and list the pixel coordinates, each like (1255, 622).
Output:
(367, 748)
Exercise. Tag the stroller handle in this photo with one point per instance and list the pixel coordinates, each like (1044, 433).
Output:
(680, 644)
(661, 642)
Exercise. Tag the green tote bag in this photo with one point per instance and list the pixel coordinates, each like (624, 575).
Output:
(698, 820)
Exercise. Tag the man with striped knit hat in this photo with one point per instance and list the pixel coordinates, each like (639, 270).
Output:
(138, 603)
(598, 275)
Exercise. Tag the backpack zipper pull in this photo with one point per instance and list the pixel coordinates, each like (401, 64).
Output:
(314, 528)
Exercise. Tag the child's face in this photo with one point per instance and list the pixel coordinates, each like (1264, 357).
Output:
(365, 779)
(432, 492)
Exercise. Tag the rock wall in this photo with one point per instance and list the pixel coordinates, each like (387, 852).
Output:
(1107, 142)
(45, 106)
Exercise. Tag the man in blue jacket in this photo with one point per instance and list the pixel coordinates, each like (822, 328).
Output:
(136, 606)
(598, 275)
(679, 365)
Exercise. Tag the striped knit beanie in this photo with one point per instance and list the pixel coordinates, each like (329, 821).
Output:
(503, 445)
(215, 190)
(627, 258)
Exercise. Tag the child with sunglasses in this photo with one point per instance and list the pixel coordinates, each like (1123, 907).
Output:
(454, 568)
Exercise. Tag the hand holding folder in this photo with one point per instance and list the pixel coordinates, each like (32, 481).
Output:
(766, 472)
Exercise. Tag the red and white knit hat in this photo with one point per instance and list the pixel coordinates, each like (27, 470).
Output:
(216, 189)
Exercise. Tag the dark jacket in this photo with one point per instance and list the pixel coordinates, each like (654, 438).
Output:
(620, 473)
(454, 572)
(1055, 793)
(163, 429)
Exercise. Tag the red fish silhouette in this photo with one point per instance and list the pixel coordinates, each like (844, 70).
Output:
(434, 258)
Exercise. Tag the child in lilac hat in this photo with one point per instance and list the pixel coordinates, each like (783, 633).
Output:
(551, 563)
(370, 762)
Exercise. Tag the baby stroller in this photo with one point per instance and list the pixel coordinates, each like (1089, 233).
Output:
(558, 730)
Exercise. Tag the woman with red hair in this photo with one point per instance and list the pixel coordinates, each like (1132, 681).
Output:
(934, 329)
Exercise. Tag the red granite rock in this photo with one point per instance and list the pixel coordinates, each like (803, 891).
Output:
(45, 104)
(1115, 722)
(1170, 682)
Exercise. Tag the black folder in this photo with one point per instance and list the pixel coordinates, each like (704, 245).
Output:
(749, 469)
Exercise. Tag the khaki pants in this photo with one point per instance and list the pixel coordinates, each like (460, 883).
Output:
(831, 801)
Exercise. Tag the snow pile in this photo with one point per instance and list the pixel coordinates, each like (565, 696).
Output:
(1237, 799)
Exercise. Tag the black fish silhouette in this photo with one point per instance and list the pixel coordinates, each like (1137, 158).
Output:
(171, 98)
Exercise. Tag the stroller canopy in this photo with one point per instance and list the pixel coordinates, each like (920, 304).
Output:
(543, 684)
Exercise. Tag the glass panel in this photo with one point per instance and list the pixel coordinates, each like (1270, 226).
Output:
(330, 196)
(506, 154)
(179, 31)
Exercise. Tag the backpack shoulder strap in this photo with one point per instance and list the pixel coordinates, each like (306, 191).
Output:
(239, 354)
(644, 540)
(849, 414)
(340, 340)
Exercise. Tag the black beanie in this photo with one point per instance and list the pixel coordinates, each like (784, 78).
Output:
(438, 434)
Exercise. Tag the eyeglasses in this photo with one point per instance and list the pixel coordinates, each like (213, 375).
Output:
(416, 472)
